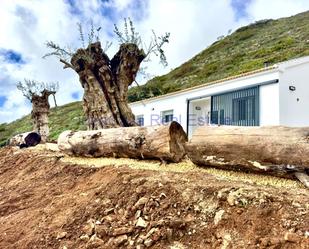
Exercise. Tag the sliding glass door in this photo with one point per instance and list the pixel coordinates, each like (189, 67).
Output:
(236, 108)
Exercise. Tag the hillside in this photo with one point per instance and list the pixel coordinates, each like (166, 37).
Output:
(62, 118)
(244, 50)
(49, 200)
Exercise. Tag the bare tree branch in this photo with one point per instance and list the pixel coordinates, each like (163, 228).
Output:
(66, 64)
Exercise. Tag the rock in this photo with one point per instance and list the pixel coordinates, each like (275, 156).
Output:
(109, 211)
(142, 201)
(95, 242)
(291, 237)
(138, 214)
(61, 235)
(152, 231)
(84, 237)
(140, 247)
(121, 212)
(120, 240)
(94, 238)
(218, 216)
(177, 223)
(275, 241)
(101, 230)
(226, 241)
(139, 241)
(169, 234)
(109, 218)
(131, 242)
(122, 230)
(231, 199)
(89, 227)
(141, 223)
(148, 242)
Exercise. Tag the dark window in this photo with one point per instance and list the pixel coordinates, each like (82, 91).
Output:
(167, 116)
(222, 119)
(140, 120)
(243, 109)
(214, 117)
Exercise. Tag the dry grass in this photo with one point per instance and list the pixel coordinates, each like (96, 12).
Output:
(185, 166)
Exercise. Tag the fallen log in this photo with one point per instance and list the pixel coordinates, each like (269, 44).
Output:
(165, 142)
(24, 140)
(276, 150)
(18, 139)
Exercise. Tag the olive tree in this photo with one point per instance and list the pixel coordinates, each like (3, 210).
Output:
(106, 81)
(38, 93)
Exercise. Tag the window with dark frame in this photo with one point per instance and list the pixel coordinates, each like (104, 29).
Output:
(167, 116)
(140, 120)
(243, 109)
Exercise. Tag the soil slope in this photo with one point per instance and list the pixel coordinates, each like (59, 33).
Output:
(48, 202)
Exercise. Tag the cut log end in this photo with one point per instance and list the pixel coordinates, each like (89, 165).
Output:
(178, 140)
(25, 140)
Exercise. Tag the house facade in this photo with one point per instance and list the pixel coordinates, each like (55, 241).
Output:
(276, 95)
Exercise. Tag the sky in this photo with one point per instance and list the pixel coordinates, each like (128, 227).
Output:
(26, 26)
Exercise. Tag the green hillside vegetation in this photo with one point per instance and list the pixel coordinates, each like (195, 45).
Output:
(247, 49)
(66, 117)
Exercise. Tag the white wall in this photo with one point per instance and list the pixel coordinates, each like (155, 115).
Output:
(294, 105)
(269, 104)
(152, 108)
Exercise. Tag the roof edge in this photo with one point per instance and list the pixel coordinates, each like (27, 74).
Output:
(250, 73)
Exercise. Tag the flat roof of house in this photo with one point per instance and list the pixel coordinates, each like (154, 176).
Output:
(264, 69)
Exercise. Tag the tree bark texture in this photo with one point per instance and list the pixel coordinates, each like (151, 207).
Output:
(106, 83)
(276, 150)
(165, 142)
(39, 114)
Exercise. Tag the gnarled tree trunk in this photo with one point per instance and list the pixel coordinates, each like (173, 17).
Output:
(106, 83)
(39, 114)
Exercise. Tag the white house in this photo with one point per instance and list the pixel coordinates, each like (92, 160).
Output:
(275, 95)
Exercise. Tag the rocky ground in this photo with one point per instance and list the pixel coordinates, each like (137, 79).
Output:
(49, 201)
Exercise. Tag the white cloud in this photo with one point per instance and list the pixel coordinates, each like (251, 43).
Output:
(26, 25)
(266, 9)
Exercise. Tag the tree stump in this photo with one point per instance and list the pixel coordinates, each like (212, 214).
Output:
(165, 142)
(39, 114)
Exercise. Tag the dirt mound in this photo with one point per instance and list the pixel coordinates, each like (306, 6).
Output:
(49, 203)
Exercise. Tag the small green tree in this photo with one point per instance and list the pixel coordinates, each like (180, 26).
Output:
(106, 81)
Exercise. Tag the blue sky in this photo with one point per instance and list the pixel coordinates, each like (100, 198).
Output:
(2, 100)
(76, 95)
(194, 24)
(240, 7)
(11, 56)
